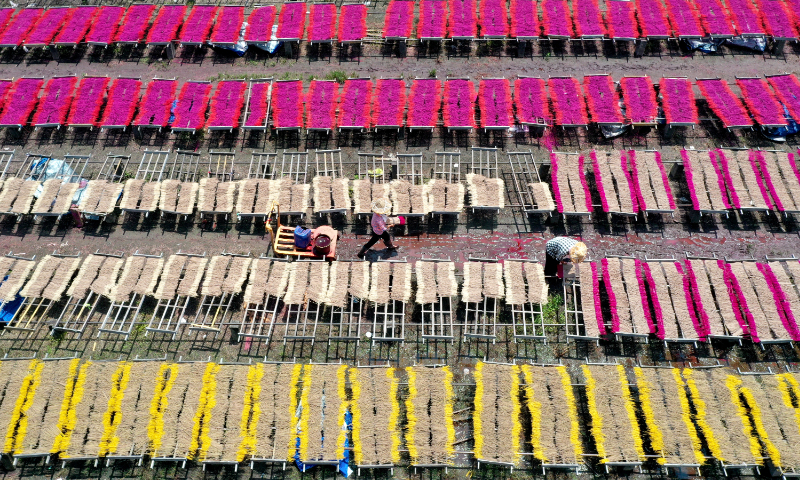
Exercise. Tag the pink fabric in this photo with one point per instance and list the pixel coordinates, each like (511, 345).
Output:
(123, 97)
(378, 223)
(259, 24)
(399, 19)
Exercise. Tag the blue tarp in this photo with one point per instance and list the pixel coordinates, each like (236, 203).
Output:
(8, 309)
(344, 463)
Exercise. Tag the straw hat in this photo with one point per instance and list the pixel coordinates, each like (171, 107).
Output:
(380, 206)
(578, 252)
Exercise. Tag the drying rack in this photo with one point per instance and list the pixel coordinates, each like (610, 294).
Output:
(480, 318)
(169, 314)
(122, 316)
(25, 320)
(528, 318)
(562, 193)
(78, 311)
(388, 319)
(674, 292)
(437, 317)
(346, 322)
(573, 309)
(259, 319)
(248, 108)
(294, 168)
(408, 167)
(222, 165)
(375, 168)
(300, 320)
(525, 171)
(447, 168)
(628, 284)
(483, 161)
(262, 165)
(214, 311)
(185, 168)
(329, 164)
(76, 163)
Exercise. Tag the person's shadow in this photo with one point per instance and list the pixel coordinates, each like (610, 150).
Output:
(383, 254)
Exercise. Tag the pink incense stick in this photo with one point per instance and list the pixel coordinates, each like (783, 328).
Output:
(494, 99)
(587, 18)
(724, 102)
(399, 19)
(167, 23)
(424, 102)
(88, 101)
(197, 27)
(568, 102)
(525, 19)
(156, 104)
(602, 97)
(321, 105)
(354, 103)
(287, 108)
(530, 101)
(20, 101)
(353, 23)
(54, 105)
(389, 103)
(258, 105)
(259, 24)
(678, 101)
(652, 18)
(227, 103)
(640, 99)
(459, 95)
(228, 26)
(494, 18)
(321, 22)
(761, 102)
(432, 19)
(123, 98)
(135, 23)
(78, 24)
(291, 21)
(22, 23)
(620, 19)
(104, 26)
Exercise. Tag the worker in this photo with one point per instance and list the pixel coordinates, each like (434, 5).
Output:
(560, 250)
(380, 224)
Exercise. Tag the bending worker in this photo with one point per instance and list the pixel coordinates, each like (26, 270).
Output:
(559, 250)
(380, 224)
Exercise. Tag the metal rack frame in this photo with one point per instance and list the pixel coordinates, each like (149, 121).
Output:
(153, 165)
(262, 165)
(528, 318)
(524, 171)
(218, 165)
(388, 318)
(247, 110)
(328, 163)
(114, 168)
(573, 313)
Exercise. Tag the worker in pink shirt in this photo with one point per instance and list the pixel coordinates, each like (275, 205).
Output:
(380, 227)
